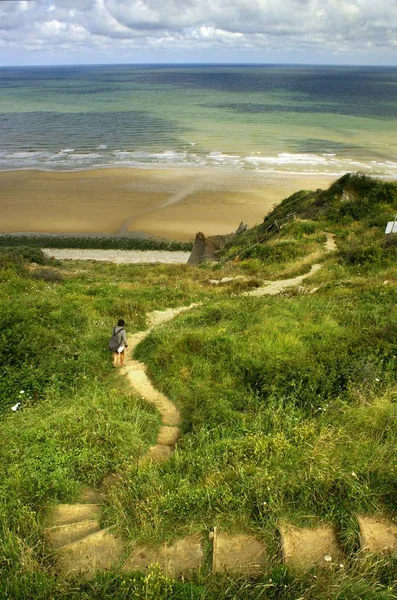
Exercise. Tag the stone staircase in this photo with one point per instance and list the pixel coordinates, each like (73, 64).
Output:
(82, 548)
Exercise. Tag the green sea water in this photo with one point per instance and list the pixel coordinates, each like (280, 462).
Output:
(294, 119)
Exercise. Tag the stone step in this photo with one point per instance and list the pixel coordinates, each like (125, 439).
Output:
(99, 551)
(179, 559)
(64, 514)
(60, 535)
(238, 553)
(377, 535)
(90, 496)
(304, 547)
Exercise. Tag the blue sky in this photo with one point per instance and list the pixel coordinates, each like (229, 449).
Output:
(50, 32)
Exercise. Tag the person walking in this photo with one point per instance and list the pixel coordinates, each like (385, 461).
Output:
(118, 343)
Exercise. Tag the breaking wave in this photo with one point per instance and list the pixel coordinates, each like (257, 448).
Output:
(70, 159)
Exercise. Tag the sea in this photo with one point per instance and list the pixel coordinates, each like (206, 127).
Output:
(270, 118)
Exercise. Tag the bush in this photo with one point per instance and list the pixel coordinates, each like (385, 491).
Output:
(360, 254)
(299, 229)
(277, 253)
(22, 254)
(48, 275)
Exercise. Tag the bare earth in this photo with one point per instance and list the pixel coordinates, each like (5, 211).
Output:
(173, 203)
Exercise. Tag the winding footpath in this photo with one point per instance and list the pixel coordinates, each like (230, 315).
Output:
(74, 537)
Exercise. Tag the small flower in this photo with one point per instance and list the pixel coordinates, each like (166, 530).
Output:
(376, 379)
(354, 475)
(342, 566)
(15, 407)
(327, 557)
(22, 392)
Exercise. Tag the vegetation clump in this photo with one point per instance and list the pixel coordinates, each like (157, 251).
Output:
(104, 242)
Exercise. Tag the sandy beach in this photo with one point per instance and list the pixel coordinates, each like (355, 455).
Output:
(173, 203)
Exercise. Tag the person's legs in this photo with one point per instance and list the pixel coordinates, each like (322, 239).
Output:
(115, 355)
(121, 358)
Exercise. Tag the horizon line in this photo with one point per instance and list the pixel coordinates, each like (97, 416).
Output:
(209, 64)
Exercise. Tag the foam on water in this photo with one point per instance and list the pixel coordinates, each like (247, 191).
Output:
(70, 159)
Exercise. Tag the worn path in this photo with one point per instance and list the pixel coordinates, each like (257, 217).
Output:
(275, 287)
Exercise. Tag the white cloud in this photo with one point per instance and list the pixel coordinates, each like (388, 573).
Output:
(349, 27)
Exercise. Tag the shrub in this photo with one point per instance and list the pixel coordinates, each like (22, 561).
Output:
(360, 254)
(276, 253)
(48, 275)
(299, 229)
(21, 254)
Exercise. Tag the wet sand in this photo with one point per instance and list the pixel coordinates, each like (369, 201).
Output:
(174, 203)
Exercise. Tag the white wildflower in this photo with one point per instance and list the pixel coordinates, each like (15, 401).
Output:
(327, 557)
(15, 407)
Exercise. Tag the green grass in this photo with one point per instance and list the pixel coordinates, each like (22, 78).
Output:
(361, 581)
(288, 405)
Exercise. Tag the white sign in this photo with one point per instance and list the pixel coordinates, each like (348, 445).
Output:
(391, 227)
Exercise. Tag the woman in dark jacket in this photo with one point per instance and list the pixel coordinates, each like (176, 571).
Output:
(120, 338)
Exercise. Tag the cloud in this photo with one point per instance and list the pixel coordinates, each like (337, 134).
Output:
(350, 27)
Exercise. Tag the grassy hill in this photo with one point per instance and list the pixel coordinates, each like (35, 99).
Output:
(288, 402)
(356, 207)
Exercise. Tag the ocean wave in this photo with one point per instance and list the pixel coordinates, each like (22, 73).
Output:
(286, 158)
(70, 159)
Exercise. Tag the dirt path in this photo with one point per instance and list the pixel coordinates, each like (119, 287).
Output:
(330, 244)
(275, 287)
(140, 382)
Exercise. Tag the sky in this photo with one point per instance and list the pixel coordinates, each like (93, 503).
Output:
(55, 32)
